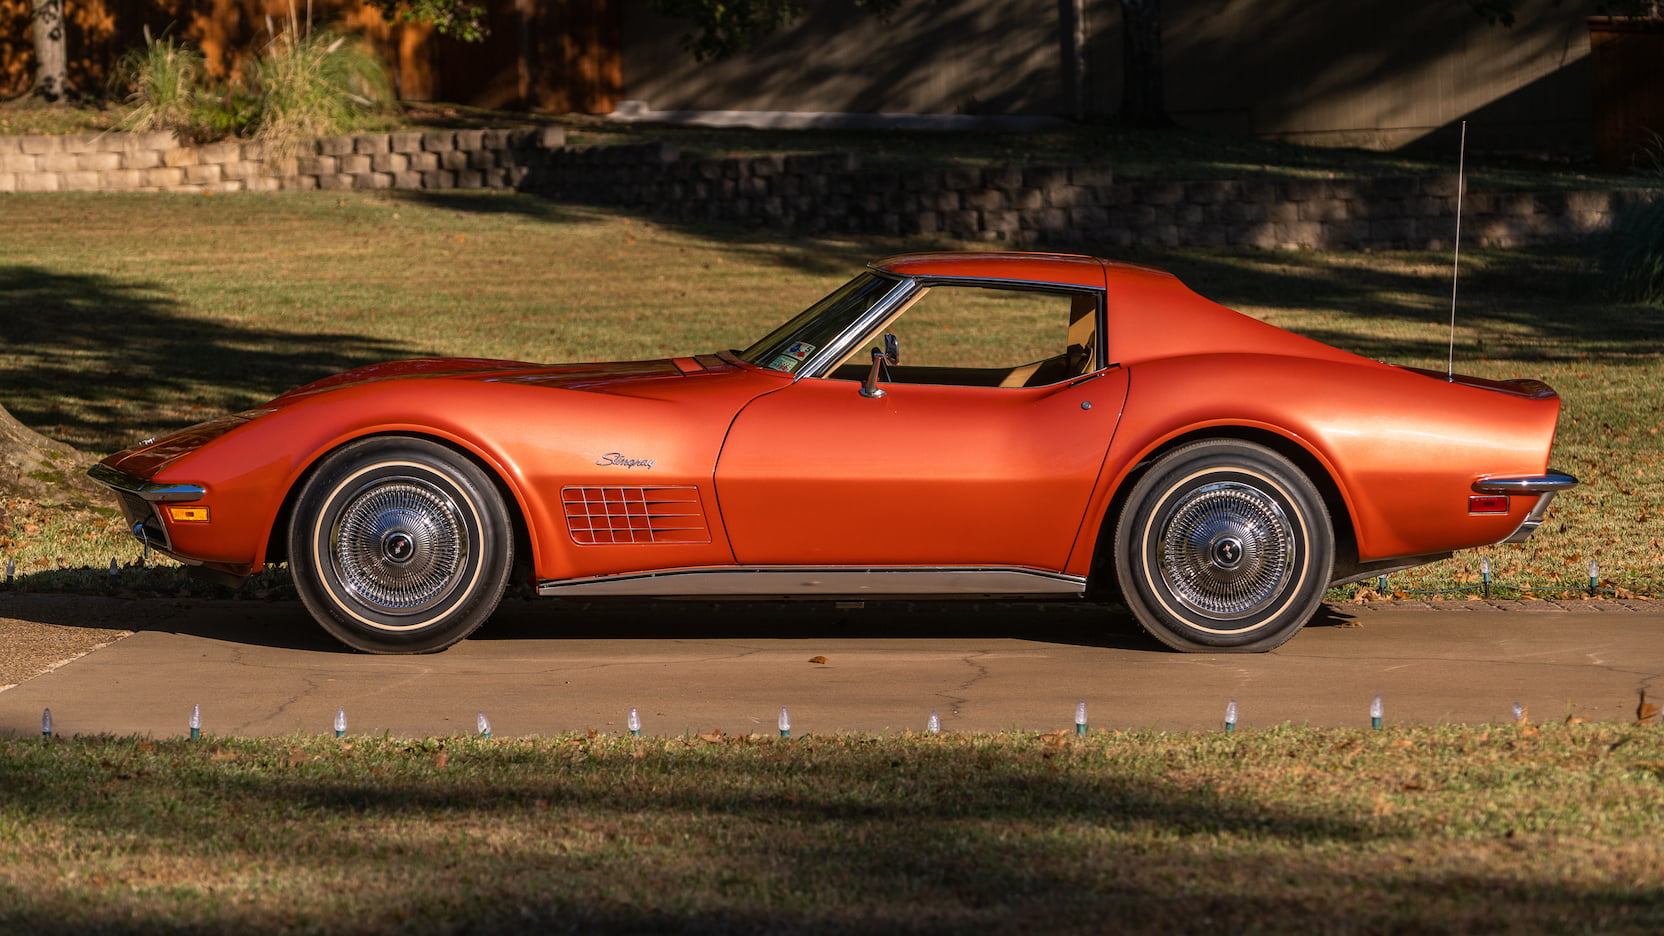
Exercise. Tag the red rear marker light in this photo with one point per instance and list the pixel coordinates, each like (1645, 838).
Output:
(1488, 504)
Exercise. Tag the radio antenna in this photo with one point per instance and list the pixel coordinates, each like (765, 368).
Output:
(1456, 252)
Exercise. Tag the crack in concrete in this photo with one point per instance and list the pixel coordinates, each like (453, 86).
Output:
(309, 688)
(979, 673)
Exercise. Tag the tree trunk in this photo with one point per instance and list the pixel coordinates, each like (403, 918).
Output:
(1143, 87)
(51, 61)
(35, 467)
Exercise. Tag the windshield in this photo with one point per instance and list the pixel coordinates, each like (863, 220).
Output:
(789, 346)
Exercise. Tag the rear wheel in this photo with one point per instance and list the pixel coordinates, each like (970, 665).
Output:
(1223, 545)
(400, 545)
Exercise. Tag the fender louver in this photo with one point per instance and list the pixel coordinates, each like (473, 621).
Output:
(613, 515)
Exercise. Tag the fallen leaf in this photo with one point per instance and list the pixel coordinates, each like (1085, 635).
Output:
(714, 736)
(817, 659)
(1575, 719)
(441, 759)
(1645, 711)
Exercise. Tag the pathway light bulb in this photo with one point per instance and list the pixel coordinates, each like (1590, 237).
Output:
(634, 722)
(1080, 717)
(785, 723)
(1376, 711)
(483, 724)
(46, 723)
(341, 722)
(1230, 715)
(196, 721)
(934, 724)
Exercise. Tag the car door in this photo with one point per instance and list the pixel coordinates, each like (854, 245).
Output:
(980, 447)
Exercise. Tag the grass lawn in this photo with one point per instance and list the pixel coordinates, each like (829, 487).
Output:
(125, 315)
(1493, 829)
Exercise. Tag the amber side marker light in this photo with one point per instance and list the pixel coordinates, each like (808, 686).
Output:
(188, 514)
(1484, 504)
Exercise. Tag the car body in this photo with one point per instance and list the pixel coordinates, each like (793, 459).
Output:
(1046, 425)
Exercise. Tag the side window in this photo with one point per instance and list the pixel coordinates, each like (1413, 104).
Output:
(980, 336)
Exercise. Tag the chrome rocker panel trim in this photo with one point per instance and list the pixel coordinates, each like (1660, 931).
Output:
(1544, 485)
(153, 491)
(822, 582)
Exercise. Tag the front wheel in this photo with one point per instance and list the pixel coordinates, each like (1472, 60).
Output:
(400, 545)
(1223, 545)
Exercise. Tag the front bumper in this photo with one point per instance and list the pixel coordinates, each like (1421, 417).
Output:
(1544, 486)
(139, 499)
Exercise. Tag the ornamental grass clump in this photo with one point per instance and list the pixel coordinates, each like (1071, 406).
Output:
(1634, 256)
(310, 84)
(164, 82)
(304, 84)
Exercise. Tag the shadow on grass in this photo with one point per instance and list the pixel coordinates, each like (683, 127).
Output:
(839, 836)
(822, 255)
(90, 359)
(489, 202)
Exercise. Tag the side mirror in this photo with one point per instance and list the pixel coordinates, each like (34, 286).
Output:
(890, 355)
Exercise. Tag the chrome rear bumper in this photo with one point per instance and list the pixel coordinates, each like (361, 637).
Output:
(1544, 486)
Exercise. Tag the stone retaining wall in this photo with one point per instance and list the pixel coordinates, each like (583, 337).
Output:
(1021, 206)
(157, 162)
(1066, 205)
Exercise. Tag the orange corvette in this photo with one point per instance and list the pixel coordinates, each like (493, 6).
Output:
(944, 424)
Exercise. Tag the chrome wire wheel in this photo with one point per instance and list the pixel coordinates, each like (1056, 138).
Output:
(400, 545)
(1223, 545)
(1226, 550)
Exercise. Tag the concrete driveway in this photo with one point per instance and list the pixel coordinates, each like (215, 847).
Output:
(545, 667)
